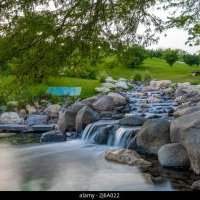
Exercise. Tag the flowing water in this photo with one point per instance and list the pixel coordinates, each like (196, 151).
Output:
(79, 165)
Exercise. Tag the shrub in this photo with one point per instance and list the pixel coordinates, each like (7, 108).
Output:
(171, 56)
(137, 77)
(191, 59)
(102, 76)
(147, 76)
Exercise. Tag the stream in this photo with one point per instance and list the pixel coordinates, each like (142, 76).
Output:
(79, 165)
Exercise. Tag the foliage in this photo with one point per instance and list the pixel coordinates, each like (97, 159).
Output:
(137, 76)
(102, 76)
(187, 17)
(171, 56)
(191, 59)
(147, 76)
(132, 56)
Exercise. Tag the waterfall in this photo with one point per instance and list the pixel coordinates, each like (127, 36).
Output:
(109, 133)
(98, 132)
(123, 136)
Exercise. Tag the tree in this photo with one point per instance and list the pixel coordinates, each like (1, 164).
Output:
(191, 59)
(132, 56)
(187, 17)
(171, 56)
(41, 40)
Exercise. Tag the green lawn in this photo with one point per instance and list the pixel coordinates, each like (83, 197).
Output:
(159, 70)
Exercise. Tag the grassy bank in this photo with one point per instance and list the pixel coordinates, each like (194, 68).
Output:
(158, 69)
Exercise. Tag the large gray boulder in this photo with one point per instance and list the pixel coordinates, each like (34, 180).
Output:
(118, 99)
(173, 155)
(186, 130)
(104, 103)
(10, 118)
(134, 120)
(153, 134)
(67, 118)
(186, 110)
(85, 116)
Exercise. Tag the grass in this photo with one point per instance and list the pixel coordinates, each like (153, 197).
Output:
(158, 69)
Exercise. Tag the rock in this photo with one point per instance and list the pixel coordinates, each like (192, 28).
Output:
(67, 118)
(31, 109)
(89, 101)
(10, 118)
(134, 120)
(104, 103)
(173, 155)
(153, 134)
(103, 134)
(109, 79)
(22, 113)
(122, 84)
(160, 84)
(3, 109)
(103, 90)
(126, 156)
(108, 85)
(52, 136)
(185, 130)
(187, 110)
(37, 119)
(196, 185)
(118, 99)
(84, 117)
(53, 110)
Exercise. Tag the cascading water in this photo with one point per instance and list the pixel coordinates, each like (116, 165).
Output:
(148, 104)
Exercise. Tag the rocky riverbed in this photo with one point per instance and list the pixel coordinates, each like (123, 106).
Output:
(153, 127)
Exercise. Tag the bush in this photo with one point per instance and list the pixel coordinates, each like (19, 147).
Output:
(80, 72)
(133, 56)
(171, 56)
(147, 76)
(137, 77)
(191, 59)
(102, 76)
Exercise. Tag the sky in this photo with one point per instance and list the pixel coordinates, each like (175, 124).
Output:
(175, 39)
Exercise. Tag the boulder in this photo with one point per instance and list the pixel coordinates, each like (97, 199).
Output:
(160, 84)
(90, 100)
(30, 109)
(186, 130)
(186, 110)
(108, 85)
(109, 79)
(103, 90)
(10, 118)
(37, 119)
(173, 155)
(118, 99)
(134, 120)
(67, 118)
(153, 134)
(196, 185)
(122, 84)
(104, 103)
(52, 136)
(84, 117)
(53, 110)
(126, 156)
